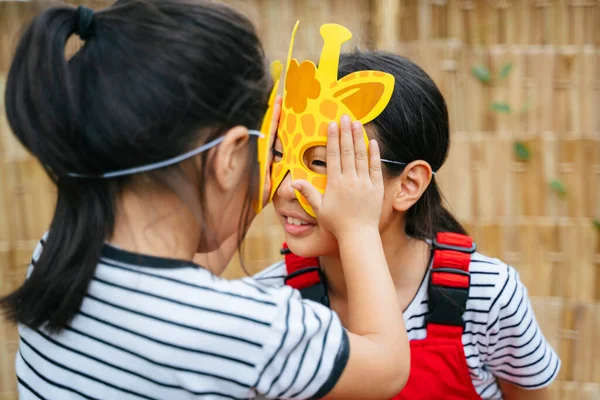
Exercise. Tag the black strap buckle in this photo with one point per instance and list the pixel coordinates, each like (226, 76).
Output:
(448, 304)
(441, 246)
(316, 292)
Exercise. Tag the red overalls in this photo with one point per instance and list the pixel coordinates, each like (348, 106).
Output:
(438, 364)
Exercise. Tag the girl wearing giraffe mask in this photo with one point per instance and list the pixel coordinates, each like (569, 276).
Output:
(472, 331)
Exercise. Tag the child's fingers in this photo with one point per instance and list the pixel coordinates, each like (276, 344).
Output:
(312, 195)
(360, 150)
(276, 115)
(274, 124)
(375, 164)
(333, 152)
(346, 146)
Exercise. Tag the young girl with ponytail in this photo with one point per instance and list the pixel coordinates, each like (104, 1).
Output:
(472, 330)
(149, 133)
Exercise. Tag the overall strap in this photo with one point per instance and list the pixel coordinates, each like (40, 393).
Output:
(305, 275)
(449, 283)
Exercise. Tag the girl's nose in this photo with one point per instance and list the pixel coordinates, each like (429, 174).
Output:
(285, 189)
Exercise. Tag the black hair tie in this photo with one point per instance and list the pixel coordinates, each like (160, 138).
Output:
(84, 19)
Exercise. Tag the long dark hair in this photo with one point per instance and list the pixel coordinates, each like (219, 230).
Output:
(154, 78)
(414, 126)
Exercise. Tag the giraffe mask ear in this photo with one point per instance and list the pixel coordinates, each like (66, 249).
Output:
(365, 93)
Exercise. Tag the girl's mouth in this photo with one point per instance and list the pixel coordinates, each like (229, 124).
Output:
(296, 226)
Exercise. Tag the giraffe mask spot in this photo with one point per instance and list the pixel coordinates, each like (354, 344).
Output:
(329, 109)
(308, 125)
(291, 123)
(302, 85)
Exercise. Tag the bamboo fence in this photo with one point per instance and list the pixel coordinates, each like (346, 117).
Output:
(522, 81)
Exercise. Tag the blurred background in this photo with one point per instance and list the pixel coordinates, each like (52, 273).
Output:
(522, 82)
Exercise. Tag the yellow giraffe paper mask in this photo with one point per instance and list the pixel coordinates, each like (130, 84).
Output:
(264, 142)
(313, 97)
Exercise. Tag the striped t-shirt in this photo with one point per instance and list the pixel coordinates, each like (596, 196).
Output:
(501, 338)
(154, 328)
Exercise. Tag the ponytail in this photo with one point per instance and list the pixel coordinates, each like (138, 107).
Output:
(54, 291)
(428, 216)
(42, 111)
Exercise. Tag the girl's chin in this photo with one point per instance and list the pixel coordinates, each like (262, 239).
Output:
(310, 247)
(300, 246)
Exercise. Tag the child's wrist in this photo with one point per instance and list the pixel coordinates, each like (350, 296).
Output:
(364, 235)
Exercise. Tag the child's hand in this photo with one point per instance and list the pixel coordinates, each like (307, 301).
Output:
(354, 193)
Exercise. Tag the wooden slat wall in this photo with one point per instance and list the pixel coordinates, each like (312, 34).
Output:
(507, 204)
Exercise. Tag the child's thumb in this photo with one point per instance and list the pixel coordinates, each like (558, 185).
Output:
(312, 195)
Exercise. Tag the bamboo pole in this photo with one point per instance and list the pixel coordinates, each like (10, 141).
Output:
(386, 23)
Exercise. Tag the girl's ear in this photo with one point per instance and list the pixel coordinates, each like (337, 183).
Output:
(230, 158)
(411, 184)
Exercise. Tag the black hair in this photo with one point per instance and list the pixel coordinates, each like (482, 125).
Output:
(414, 126)
(154, 78)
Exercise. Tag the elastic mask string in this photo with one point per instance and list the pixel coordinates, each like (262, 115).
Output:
(398, 163)
(160, 164)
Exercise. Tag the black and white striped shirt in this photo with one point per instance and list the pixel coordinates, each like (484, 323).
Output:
(154, 328)
(502, 337)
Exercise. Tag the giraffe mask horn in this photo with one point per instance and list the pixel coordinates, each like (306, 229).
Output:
(313, 97)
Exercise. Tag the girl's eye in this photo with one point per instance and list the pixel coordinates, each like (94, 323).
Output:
(314, 158)
(277, 154)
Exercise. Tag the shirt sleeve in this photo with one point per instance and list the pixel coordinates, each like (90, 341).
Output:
(517, 350)
(307, 351)
(273, 275)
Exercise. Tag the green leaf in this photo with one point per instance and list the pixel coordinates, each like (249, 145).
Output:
(558, 187)
(505, 70)
(522, 151)
(481, 72)
(596, 223)
(502, 107)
